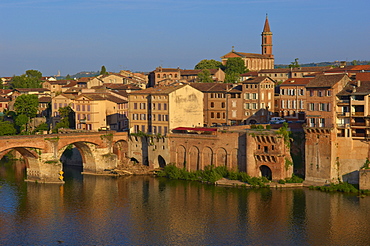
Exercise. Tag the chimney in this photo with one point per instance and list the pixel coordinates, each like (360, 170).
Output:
(358, 83)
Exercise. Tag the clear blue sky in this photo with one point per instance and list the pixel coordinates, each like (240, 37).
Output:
(139, 35)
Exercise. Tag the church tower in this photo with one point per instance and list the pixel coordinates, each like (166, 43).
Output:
(267, 39)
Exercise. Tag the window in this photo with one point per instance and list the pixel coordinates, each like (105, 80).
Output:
(212, 115)
(328, 93)
(218, 116)
(321, 122)
(159, 106)
(212, 104)
(312, 93)
(321, 106)
(319, 93)
(311, 106)
(222, 105)
(164, 106)
(135, 106)
(246, 106)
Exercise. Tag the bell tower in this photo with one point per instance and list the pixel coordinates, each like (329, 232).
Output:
(267, 39)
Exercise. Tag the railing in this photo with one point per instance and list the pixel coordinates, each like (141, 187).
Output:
(343, 101)
(358, 113)
(342, 114)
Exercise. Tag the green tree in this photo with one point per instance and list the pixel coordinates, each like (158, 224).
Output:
(21, 122)
(103, 70)
(208, 64)
(354, 63)
(68, 77)
(27, 105)
(31, 79)
(34, 74)
(7, 128)
(67, 121)
(205, 76)
(294, 64)
(233, 68)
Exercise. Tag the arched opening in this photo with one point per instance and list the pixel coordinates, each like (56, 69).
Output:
(266, 172)
(82, 156)
(193, 159)
(120, 149)
(13, 166)
(161, 161)
(72, 163)
(207, 157)
(221, 159)
(252, 122)
(181, 157)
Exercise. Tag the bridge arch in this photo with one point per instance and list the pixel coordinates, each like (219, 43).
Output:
(85, 149)
(31, 159)
(120, 149)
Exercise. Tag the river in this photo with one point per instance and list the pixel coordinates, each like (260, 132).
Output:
(142, 210)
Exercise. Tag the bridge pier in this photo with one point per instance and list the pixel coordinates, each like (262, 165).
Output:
(45, 170)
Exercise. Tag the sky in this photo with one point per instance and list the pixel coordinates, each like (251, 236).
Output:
(71, 36)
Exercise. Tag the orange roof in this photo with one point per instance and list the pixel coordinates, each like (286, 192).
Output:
(296, 81)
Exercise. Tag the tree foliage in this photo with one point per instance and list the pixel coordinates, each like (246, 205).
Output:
(233, 68)
(21, 122)
(205, 76)
(208, 64)
(31, 79)
(66, 118)
(103, 71)
(27, 105)
(294, 64)
(7, 128)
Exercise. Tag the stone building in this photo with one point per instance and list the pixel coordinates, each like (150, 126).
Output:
(256, 62)
(258, 153)
(169, 75)
(258, 100)
(158, 110)
(192, 75)
(321, 99)
(222, 103)
(279, 75)
(291, 103)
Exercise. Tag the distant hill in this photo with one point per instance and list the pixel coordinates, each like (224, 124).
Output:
(324, 64)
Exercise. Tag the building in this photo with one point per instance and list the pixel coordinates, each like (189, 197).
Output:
(279, 75)
(258, 100)
(256, 62)
(322, 99)
(291, 103)
(222, 103)
(353, 110)
(192, 75)
(160, 109)
(167, 75)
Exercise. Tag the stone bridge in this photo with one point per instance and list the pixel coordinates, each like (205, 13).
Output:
(42, 153)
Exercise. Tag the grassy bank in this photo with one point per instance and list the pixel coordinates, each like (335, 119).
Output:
(211, 174)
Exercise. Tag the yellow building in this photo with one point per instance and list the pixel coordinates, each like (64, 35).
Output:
(160, 109)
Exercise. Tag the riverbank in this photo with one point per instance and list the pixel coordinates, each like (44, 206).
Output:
(237, 183)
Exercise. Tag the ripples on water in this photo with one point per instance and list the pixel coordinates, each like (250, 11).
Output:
(94, 210)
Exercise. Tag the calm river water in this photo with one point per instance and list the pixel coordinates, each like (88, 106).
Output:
(96, 210)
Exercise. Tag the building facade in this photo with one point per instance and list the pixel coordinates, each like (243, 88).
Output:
(160, 109)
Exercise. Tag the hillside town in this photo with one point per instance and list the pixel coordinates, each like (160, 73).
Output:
(330, 106)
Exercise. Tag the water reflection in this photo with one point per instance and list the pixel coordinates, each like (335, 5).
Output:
(96, 210)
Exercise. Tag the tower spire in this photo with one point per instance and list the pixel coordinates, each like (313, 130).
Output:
(266, 39)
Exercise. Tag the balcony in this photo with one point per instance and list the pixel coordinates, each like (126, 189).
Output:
(343, 114)
(358, 114)
(343, 102)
